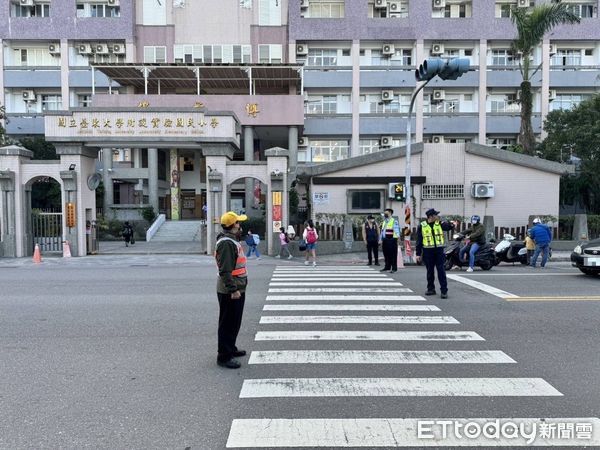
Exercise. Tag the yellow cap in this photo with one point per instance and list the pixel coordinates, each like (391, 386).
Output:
(229, 218)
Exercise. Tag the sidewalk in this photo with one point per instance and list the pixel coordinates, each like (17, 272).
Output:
(149, 248)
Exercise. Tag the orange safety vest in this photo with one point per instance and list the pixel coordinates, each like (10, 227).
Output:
(240, 262)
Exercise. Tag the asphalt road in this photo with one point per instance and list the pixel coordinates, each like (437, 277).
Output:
(117, 352)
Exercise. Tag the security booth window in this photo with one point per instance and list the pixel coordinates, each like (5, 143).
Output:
(365, 201)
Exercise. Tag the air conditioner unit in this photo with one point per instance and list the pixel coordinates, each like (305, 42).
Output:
(101, 49)
(523, 3)
(302, 141)
(84, 49)
(394, 6)
(482, 190)
(552, 94)
(26, 3)
(114, 2)
(387, 95)
(437, 139)
(301, 49)
(118, 49)
(437, 48)
(552, 49)
(386, 141)
(303, 4)
(438, 95)
(380, 4)
(29, 95)
(438, 4)
(388, 49)
(54, 49)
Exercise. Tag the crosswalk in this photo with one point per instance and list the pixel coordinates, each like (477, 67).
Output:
(358, 304)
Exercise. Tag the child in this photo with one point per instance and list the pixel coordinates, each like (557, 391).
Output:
(311, 237)
(284, 240)
(252, 241)
(530, 246)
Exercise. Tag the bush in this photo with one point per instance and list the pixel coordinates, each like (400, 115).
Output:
(148, 214)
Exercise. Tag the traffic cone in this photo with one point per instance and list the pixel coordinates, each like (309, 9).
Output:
(400, 259)
(66, 249)
(37, 254)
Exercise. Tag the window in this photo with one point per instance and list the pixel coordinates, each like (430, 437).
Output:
(568, 101)
(502, 143)
(504, 8)
(321, 104)
(367, 146)
(502, 57)
(368, 200)
(51, 102)
(322, 57)
(33, 56)
(454, 9)
(566, 57)
(504, 103)
(393, 9)
(155, 54)
(37, 10)
(442, 191)
(326, 9)
(584, 10)
(97, 10)
(269, 53)
(269, 12)
(328, 150)
(188, 164)
(196, 53)
(84, 100)
(446, 106)
(372, 104)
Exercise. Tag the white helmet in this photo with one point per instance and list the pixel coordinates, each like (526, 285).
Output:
(537, 220)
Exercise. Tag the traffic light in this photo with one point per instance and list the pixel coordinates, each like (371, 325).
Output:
(446, 69)
(71, 218)
(397, 191)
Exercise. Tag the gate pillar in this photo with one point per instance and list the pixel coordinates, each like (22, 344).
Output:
(8, 237)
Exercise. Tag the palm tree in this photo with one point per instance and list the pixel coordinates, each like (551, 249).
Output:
(532, 24)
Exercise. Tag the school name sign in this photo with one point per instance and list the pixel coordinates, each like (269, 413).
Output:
(139, 124)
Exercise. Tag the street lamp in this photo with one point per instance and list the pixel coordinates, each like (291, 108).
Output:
(446, 69)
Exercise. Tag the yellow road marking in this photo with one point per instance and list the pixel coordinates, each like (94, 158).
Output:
(554, 299)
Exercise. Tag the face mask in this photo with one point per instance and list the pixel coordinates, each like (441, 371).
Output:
(386, 215)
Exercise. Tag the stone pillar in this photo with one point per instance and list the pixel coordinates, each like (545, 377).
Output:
(482, 91)
(293, 148)
(64, 74)
(2, 73)
(418, 108)
(488, 223)
(153, 178)
(174, 183)
(137, 164)
(8, 242)
(277, 163)
(69, 178)
(580, 227)
(107, 164)
(355, 140)
(249, 156)
(545, 84)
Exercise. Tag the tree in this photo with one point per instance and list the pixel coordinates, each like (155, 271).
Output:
(40, 147)
(576, 132)
(532, 24)
(3, 139)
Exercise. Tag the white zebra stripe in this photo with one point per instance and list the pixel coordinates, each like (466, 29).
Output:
(323, 275)
(306, 298)
(397, 387)
(380, 357)
(357, 278)
(356, 289)
(313, 307)
(335, 283)
(367, 336)
(396, 432)
(421, 320)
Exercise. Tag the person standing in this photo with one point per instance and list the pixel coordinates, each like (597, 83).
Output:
(530, 246)
(430, 250)
(127, 234)
(252, 241)
(311, 237)
(477, 236)
(284, 241)
(542, 236)
(371, 237)
(231, 288)
(390, 232)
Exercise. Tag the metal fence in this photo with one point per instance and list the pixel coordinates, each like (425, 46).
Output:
(46, 229)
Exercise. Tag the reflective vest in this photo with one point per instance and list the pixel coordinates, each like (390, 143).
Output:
(388, 226)
(435, 239)
(240, 262)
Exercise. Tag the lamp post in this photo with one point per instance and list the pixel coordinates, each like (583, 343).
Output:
(446, 69)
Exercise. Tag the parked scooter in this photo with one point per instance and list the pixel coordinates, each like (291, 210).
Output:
(484, 258)
(511, 251)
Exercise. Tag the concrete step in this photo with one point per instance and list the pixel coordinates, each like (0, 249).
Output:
(176, 231)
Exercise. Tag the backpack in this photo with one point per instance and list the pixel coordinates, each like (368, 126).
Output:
(311, 236)
(256, 238)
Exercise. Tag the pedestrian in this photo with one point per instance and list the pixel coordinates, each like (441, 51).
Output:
(284, 241)
(430, 250)
(390, 232)
(127, 234)
(252, 241)
(542, 236)
(477, 237)
(231, 288)
(372, 237)
(311, 237)
(530, 246)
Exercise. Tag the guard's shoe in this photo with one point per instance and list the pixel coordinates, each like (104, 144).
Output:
(470, 269)
(430, 293)
(393, 271)
(306, 263)
(376, 263)
(239, 353)
(369, 264)
(290, 257)
(383, 270)
(444, 295)
(229, 364)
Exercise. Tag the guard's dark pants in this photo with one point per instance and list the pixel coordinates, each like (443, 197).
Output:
(434, 258)
(373, 250)
(230, 320)
(390, 253)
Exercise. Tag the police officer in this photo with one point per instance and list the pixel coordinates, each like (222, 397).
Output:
(231, 288)
(390, 232)
(430, 244)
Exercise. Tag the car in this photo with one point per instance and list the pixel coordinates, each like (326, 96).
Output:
(586, 257)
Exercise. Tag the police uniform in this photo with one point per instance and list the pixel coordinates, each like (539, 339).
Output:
(430, 245)
(390, 232)
(233, 277)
